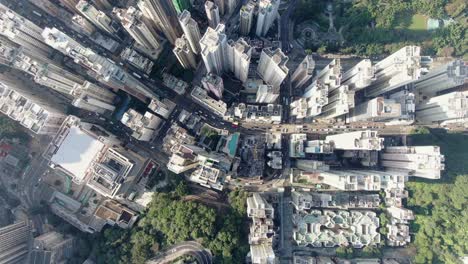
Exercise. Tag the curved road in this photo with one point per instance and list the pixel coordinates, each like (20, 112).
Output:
(192, 248)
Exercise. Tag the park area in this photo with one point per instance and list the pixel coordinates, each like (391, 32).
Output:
(418, 22)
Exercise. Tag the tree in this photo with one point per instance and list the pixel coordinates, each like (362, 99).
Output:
(322, 49)
(238, 201)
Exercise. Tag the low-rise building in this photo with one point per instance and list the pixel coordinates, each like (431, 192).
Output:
(175, 84)
(163, 107)
(90, 155)
(137, 60)
(216, 106)
(52, 247)
(336, 228)
(266, 114)
(144, 127)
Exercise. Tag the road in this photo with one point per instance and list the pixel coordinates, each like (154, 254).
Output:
(192, 248)
(285, 26)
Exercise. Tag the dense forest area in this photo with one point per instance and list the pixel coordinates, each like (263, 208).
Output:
(169, 220)
(441, 207)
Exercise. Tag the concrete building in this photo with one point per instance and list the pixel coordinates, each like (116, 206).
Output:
(163, 107)
(304, 72)
(246, 18)
(201, 96)
(330, 76)
(443, 78)
(222, 6)
(348, 180)
(181, 5)
(213, 50)
(32, 109)
(22, 31)
(444, 109)
(358, 140)
(312, 102)
(398, 109)
(84, 95)
(267, 94)
(359, 76)
(134, 23)
(267, 13)
(377, 109)
(145, 127)
(102, 69)
(397, 70)
(212, 13)
(214, 84)
(90, 155)
(83, 25)
(208, 175)
(97, 17)
(184, 53)
(336, 228)
(297, 145)
(267, 114)
(272, 66)
(163, 16)
(421, 161)
(230, 6)
(52, 247)
(258, 207)
(93, 98)
(186, 157)
(191, 31)
(238, 58)
(177, 85)
(261, 229)
(16, 240)
(262, 254)
(137, 60)
(340, 101)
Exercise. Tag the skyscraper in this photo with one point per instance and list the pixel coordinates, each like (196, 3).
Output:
(230, 6)
(102, 69)
(246, 18)
(357, 140)
(303, 73)
(398, 69)
(213, 83)
(133, 22)
(447, 108)
(267, 94)
(30, 108)
(191, 31)
(97, 17)
(222, 6)
(212, 13)
(267, 12)
(377, 109)
(419, 161)
(239, 54)
(213, 50)
(442, 78)
(359, 76)
(16, 240)
(272, 66)
(163, 16)
(181, 5)
(22, 31)
(184, 54)
(46, 73)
